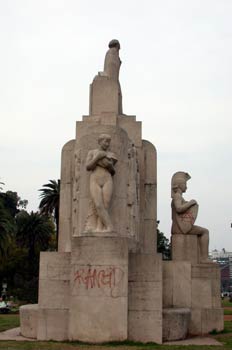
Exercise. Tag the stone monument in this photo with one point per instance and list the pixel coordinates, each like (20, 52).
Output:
(191, 280)
(107, 282)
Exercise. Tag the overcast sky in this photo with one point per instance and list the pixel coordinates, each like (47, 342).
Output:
(176, 77)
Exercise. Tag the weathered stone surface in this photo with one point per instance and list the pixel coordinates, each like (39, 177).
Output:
(132, 127)
(105, 96)
(206, 320)
(145, 326)
(177, 290)
(65, 228)
(99, 289)
(148, 198)
(212, 319)
(185, 248)
(145, 298)
(53, 324)
(28, 320)
(54, 285)
(168, 284)
(175, 323)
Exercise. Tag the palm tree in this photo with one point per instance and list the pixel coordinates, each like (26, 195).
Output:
(34, 232)
(7, 228)
(49, 204)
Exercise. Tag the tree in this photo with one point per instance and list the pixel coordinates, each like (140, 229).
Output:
(163, 245)
(49, 204)
(34, 232)
(7, 229)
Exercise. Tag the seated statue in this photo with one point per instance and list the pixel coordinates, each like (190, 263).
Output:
(184, 214)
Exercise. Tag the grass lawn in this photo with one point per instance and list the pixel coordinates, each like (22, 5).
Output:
(11, 321)
(226, 303)
(8, 321)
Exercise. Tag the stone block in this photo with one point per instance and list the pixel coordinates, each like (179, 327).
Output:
(150, 171)
(54, 276)
(54, 294)
(132, 127)
(65, 234)
(201, 293)
(28, 320)
(204, 321)
(66, 162)
(145, 298)
(54, 265)
(168, 284)
(145, 326)
(175, 323)
(145, 267)
(150, 201)
(177, 284)
(185, 248)
(216, 293)
(212, 319)
(53, 324)
(98, 319)
(182, 292)
(95, 250)
(206, 271)
(105, 96)
(99, 289)
(195, 322)
(149, 236)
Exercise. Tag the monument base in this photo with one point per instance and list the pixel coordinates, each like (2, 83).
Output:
(196, 287)
(145, 298)
(99, 289)
(185, 248)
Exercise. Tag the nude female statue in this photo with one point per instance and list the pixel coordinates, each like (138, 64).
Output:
(101, 163)
(184, 214)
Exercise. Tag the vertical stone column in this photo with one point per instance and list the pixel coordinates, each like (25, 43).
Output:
(99, 289)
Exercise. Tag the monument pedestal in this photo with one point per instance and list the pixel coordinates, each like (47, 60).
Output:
(145, 298)
(196, 287)
(99, 289)
(185, 248)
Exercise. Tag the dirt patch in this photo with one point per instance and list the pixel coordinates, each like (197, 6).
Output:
(227, 317)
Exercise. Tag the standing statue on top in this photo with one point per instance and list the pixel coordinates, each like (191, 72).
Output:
(101, 163)
(184, 214)
(112, 60)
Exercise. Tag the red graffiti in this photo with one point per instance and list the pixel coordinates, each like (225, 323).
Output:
(187, 217)
(97, 278)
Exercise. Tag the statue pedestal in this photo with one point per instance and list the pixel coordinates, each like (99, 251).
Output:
(197, 287)
(105, 96)
(99, 289)
(185, 248)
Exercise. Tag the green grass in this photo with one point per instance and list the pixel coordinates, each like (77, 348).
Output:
(227, 312)
(11, 321)
(8, 321)
(226, 303)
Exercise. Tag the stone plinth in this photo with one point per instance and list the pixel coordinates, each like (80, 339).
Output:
(28, 320)
(185, 248)
(196, 287)
(145, 298)
(105, 96)
(54, 291)
(99, 289)
(175, 323)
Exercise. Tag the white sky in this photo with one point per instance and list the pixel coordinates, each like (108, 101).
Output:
(176, 77)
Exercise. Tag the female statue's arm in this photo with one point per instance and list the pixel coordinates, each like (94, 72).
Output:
(92, 159)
